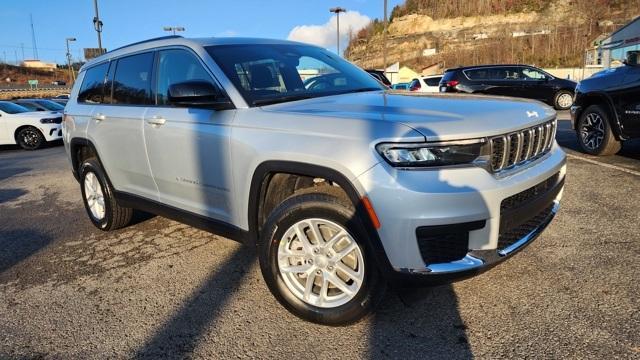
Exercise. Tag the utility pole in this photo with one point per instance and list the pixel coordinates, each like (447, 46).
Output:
(33, 39)
(22, 47)
(384, 41)
(72, 76)
(173, 29)
(97, 24)
(337, 11)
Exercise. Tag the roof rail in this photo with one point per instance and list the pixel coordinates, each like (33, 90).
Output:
(146, 41)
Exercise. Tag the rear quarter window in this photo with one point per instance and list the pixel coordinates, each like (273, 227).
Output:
(92, 88)
(433, 81)
(448, 76)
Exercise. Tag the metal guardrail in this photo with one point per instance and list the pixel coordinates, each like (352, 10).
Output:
(36, 89)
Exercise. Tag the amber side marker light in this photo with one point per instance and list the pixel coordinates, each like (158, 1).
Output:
(371, 212)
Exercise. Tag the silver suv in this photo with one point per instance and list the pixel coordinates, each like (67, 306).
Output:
(342, 186)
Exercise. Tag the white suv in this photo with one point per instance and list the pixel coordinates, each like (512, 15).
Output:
(342, 186)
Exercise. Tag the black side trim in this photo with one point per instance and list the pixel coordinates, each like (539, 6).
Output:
(198, 221)
(266, 169)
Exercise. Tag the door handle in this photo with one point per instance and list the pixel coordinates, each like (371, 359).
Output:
(156, 120)
(99, 117)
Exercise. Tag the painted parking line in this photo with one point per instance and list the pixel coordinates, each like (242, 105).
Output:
(595, 162)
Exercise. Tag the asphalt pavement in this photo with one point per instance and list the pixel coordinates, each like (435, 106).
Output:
(160, 289)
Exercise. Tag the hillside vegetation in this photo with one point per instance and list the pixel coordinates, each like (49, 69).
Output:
(546, 33)
(20, 75)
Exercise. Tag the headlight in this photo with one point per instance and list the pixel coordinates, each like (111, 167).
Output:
(51, 121)
(435, 154)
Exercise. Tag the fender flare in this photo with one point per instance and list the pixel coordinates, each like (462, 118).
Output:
(614, 121)
(265, 169)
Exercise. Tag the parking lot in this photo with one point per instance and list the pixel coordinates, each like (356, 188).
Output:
(163, 289)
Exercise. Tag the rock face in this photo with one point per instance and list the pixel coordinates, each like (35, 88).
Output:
(420, 40)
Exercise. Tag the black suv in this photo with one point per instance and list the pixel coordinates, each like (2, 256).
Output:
(606, 109)
(510, 80)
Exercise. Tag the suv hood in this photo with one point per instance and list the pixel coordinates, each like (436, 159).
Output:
(436, 116)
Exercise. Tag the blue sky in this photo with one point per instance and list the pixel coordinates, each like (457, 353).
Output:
(127, 21)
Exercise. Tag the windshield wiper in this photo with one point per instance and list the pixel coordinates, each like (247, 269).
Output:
(281, 99)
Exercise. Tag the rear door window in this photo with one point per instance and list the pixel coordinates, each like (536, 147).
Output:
(132, 80)
(92, 87)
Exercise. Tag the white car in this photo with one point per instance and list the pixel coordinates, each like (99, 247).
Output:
(29, 129)
(428, 84)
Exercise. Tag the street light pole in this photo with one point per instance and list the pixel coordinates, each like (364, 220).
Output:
(97, 24)
(384, 41)
(337, 11)
(173, 29)
(72, 77)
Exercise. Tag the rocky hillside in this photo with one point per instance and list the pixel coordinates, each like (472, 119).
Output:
(461, 32)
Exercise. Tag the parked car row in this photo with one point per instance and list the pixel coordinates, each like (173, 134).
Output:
(26, 127)
(605, 108)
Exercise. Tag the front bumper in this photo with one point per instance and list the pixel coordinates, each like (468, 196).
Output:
(406, 200)
(52, 132)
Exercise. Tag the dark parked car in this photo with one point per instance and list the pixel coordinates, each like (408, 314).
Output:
(510, 80)
(606, 110)
(380, 76)
(39, 104)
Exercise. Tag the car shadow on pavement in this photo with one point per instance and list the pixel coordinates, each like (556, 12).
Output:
(19, 244)
(414, 323)
(179, 336)
(7, 195)
(10, 172)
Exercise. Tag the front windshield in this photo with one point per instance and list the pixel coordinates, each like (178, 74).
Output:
(267, 73)
(50, 105)
(11, 108)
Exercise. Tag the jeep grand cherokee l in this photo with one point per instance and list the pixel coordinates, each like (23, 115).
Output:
(510, 80)
(606, 109)
(343, 187)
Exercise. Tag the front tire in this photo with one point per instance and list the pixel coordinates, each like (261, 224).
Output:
(316, 261)
(594, 132)
(563, 100)
(99, 200)
(30, 138)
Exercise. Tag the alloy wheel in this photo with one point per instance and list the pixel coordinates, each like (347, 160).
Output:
(565, 100)
(592, 131)
(94, 196)
(30, 138)
(321, 263)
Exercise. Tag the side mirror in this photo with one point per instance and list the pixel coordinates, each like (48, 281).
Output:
(198, 94)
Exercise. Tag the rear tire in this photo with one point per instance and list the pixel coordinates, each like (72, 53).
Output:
(594, 132)
(99, 201)
(30, 138)
(563, 100)
(326, 282)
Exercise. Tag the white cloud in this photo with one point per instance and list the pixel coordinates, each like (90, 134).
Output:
(325, 35)
(227, 33)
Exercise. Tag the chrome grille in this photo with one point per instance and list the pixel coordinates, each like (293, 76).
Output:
(516, 148)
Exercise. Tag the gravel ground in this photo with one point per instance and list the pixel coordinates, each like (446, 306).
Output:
(163, 289)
